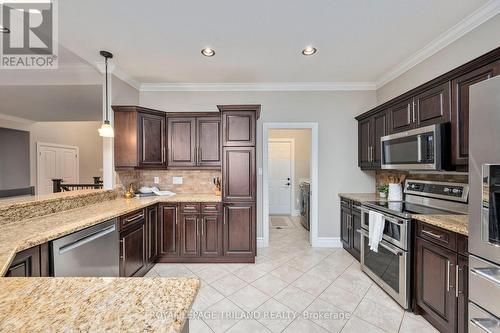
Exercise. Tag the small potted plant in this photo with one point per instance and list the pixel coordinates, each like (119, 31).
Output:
(383, 190)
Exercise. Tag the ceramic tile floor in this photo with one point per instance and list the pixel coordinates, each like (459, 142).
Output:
(325, 286)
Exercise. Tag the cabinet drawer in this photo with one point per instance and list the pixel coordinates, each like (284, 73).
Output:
(133, 218)
(190, 208)
(437, 235)
(345, 203)
(210, 208)
(462, 244)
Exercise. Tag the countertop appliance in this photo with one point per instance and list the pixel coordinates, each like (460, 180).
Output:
(390, 266)
(425, 148)
(93, 251)
(305, 209)
(484, 209)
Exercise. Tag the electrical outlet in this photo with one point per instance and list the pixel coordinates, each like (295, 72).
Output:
(156, 180)
(177, 180)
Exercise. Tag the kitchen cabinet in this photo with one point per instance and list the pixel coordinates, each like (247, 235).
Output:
(152, 234)
(33, 262)
(239, 229)
(350, 222)
(460, 110)
(189, 239)
(139, 138)
(208, 141)
(432, 106)
(238, 174)
(211, 235)
(401, 116)
(133, 252)
(169, 246)
(238, 125)
(441, 278)
(370, 131)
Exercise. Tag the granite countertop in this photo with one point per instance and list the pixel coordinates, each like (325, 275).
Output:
(455, 223)
(96, 304)
(21, 235)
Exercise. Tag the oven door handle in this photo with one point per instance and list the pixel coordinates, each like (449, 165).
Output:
(394, 250)
(389, 219)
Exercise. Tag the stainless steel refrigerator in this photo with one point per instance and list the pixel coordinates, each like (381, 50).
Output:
(484, 206)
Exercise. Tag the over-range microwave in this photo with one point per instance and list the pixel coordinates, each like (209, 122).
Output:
(424, 148)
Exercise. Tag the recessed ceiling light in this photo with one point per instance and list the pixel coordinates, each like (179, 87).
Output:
(308, 51)
(4, 30)
(208, 52)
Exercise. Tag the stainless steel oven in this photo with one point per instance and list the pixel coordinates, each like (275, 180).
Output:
(390, 266)
(424, 148)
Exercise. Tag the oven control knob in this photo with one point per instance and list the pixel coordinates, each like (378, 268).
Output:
(447, 190)
(456, 191)
(413, 186)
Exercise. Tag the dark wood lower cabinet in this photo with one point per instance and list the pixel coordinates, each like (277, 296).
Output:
(133, 250)
(441, 285)
(189, 240)
(168, 230)
(152, 229)
(239, 229)
(33, 262)
(356, 237)
(211, 236)
(350, 221)
(345, 226)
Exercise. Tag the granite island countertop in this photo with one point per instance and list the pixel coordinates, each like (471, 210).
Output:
(455, 223)
(21, 235)
(96, 304)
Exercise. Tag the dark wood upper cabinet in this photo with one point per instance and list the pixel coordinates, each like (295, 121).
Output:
(239, 229)
(168, 230)
(364, 142)
(208, 141)
(133, 250)
(139, 138)
(370, 130)
(400, 116)
(151, 139)
(432, 106)
(181, 142)
(238, 173)
(460, 110)
(33, 262)
(435, 280)
(238, 124)
(379, 125)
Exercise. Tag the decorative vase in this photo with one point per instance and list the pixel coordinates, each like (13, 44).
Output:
(382, 194)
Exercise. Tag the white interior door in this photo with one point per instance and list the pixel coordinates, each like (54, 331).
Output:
(280, 166)
(56, 162)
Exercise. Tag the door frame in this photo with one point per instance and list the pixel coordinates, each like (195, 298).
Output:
(291, 141)
(39, 145)
(313, 126)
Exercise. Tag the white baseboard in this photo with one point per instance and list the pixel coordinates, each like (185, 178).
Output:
(327, 242)
(295, 212)
(260, 242)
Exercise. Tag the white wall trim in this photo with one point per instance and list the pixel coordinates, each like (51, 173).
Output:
(260, 242)
(313, 233)
(292, 169)
(327, 242)
(20, 120)
(469, 23)
(271, 86)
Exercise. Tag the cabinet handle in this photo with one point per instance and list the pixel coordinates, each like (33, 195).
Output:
(133, 218)
(122, 242)
(163, 154)
(202, 228)
(433, 235)
(413, 104)
(457, 272)
(448, 264)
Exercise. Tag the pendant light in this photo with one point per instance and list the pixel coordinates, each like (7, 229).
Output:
(106, 129)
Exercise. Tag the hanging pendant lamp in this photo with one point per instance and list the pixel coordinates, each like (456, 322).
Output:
(106, 129)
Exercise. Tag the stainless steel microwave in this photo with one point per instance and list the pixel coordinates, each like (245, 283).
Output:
(424, 148)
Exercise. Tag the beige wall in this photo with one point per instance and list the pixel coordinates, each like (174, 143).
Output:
(302, 156)
(79, 133)
(333, 111)
(484, 38)
(123, 93)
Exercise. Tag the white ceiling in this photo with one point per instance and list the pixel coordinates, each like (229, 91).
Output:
(159, 41)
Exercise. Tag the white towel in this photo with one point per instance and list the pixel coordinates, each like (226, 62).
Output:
(376, 224)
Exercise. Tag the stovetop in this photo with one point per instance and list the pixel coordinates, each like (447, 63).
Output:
(406, 209)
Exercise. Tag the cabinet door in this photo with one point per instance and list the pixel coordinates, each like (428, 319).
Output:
(460, 110)
(239, 229)
(26, 264)
(345, 227)
(238, 172)
(168, 231)
(400, 117)
(211, 236)
(356, 237)
(462, 285)
(364, 143)
(379, 130)
(435, 279)
(152, 231)
(238, 128)
(189, 235)
(181, 142)
(151, 140)
(432, 106)
(132, 251)
(208, 141)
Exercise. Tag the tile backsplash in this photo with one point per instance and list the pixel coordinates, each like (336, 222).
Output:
(383, 177)
(193, 181)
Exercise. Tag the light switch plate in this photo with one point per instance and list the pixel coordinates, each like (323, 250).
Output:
(156, 180)
(177, 180)
(259, 171)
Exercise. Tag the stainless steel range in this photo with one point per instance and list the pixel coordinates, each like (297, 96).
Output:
(390, 266)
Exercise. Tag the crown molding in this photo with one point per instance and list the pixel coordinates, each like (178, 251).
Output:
(469, 23)
(272, 86)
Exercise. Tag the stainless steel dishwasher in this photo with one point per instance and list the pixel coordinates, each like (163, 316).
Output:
(93, 251)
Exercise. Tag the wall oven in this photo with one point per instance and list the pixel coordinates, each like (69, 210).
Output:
(425, 148)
